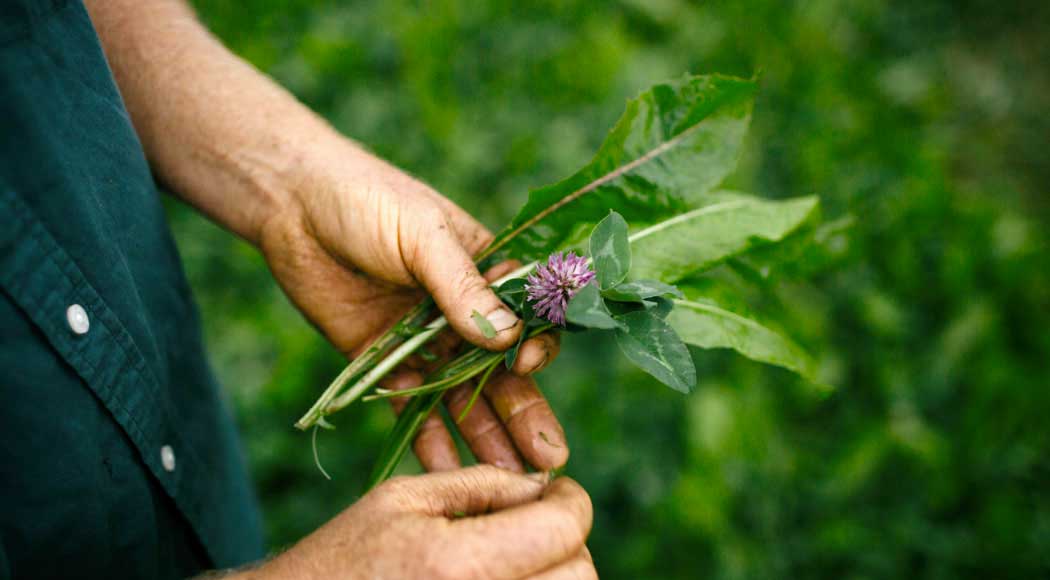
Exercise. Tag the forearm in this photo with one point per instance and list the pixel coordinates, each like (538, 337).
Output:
(217, 132)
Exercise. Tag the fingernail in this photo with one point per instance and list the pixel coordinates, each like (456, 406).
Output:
(539, 365)
(502, 319)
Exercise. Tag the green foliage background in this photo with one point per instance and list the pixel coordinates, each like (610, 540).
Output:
(923, 126)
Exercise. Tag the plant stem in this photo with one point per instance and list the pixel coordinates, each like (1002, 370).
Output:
(333, 399)
(384, 366)
(420, 407)
(472, 362)
(366, 361)
(477, 390)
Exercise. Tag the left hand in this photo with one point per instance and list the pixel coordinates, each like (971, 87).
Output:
(351, 248)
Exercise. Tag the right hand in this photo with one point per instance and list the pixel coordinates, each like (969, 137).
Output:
(478, 522)
(358, 242)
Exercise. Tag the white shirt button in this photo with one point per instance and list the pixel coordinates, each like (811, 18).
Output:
(167, 458)
(77, 318)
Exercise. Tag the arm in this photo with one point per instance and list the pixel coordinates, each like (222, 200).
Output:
(221, 135)
(349, 237)
(231, 142)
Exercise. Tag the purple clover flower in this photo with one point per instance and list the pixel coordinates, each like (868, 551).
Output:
(551, 285)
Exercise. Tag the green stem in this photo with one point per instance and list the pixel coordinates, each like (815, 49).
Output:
(332, 401)
(384, 366)
(397, 443)
(366, 361)
(449, 379)
(420, 407)
(477, 390)
(328, 402)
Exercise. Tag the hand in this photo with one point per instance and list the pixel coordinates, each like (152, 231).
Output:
(515, 527)
(351, 247)
(349, 237)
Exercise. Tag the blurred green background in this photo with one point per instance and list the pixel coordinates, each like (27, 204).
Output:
(923, 126)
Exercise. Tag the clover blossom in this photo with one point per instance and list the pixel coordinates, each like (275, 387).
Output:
(551, 285)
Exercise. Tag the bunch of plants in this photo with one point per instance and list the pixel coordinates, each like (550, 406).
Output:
(626, 245)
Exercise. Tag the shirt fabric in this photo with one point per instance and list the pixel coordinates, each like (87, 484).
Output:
(118, 458)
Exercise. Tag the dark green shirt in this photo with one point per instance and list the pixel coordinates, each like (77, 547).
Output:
(118, 456)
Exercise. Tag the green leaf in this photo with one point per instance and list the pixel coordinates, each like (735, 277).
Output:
(811, 249)
(702, 322)
(587, 309)
(652, 344)
(673, 144)
(641, 291)
(512, 291)
(660, 306)
(483, 324)
(511, 356)
(698, 240)
(610, 252)
(400, 438)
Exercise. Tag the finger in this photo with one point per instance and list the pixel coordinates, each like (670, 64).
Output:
(528, 417)
(472, 491)
(536, 353)
(581, 567)
(482, 430)
(433, 445)
(526, 539)
(471, 234)
(443, 266)
(447, 341)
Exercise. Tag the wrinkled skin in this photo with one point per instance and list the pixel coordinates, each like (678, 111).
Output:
(354, 242)
(476, 523)
(349, 252)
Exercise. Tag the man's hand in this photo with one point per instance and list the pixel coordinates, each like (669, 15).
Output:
(351, 249)
(480, 522)
(351, 239)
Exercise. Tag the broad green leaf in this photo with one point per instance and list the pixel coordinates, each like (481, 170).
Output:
(610, 251)
(652, 344)
(702, 322)
(673, 144)
(811, 249)
(697, 240)
(512, 291)
(587, 309)
(641, 291)
(661, 306)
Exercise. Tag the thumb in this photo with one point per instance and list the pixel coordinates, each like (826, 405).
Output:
(441, 264)
(471, 491)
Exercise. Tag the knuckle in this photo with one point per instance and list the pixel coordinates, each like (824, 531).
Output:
(429, 218)
(457, 398)
(417, 234)
(395, 489)
(484, 472)
(467, 281)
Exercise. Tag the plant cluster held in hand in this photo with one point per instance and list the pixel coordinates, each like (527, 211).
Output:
(634, 244)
